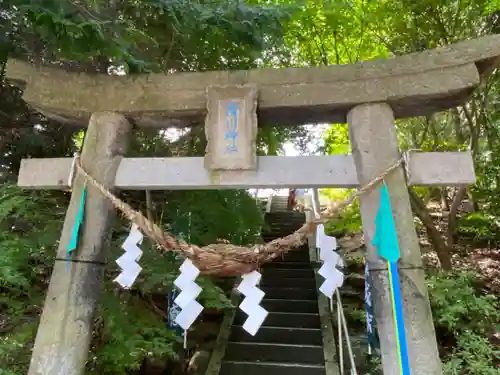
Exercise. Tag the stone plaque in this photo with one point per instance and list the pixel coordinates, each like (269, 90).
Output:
(231, 127)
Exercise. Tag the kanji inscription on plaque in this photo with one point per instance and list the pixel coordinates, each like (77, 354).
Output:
(231, 127)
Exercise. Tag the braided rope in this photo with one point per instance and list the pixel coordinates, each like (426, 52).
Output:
(225, 259)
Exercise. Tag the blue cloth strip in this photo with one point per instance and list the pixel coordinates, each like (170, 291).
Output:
(399, 316)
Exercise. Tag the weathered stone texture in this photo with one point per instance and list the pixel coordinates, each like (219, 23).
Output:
(231, 128)
(369, 125)
(415, 84)
(63, 337)
(276, 172)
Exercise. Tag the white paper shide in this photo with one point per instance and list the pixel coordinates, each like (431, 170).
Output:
(186, 299)
(251, 303)
(128, 261)
(333, 277)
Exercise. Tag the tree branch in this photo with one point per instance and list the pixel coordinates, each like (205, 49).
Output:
(442, 250)
(452, 217)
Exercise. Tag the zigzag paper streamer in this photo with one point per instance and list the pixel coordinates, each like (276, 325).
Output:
(386, 241)
(333, 277)
(128, 261)
(251, 303)
(186, 299)
(181, 226)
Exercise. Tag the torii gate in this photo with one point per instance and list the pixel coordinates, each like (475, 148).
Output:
(368, 96)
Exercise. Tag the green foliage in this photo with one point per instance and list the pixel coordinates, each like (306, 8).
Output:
(487, 167)
(332, 32)
(29, 227)
(480, 227)
(337, 140)
(214, 215)
(131, 328)
(474, 355)
(131, 332)
(461, 310)
(146, 35)
(349, 220)
(457, 304)
(24, 257)
(14, 351)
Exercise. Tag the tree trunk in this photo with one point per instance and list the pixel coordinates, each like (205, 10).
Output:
(440, 246)
(473, 206)
(452, 218)
(445, 205)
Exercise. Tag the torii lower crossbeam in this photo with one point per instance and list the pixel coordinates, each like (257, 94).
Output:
(338, 171)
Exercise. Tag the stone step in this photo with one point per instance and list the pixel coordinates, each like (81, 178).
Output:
(284, 218)
(287, 272)
(279, 335)
(270, 227)
(269, 368)
(281, 319)
(284, 305)
(279, 207)
(293, 265)
(285, 353)
(291, 293)
(284, 221)
(285, 215)
(291, 282)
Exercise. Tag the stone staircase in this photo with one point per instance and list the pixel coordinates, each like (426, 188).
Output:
(279, 203)
(291, 340)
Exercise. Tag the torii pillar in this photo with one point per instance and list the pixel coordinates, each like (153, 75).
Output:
(374, 148)
(65, 331)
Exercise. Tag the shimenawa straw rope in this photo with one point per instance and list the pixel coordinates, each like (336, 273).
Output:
(225, 259)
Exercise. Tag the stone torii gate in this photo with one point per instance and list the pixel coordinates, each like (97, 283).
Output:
(368, 96)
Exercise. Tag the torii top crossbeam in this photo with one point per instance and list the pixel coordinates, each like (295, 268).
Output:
(415, 84)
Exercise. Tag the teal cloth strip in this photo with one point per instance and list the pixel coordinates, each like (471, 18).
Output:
(385, 238)
(73, 243)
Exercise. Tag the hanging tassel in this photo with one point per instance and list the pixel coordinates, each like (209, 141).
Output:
(386, 241)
